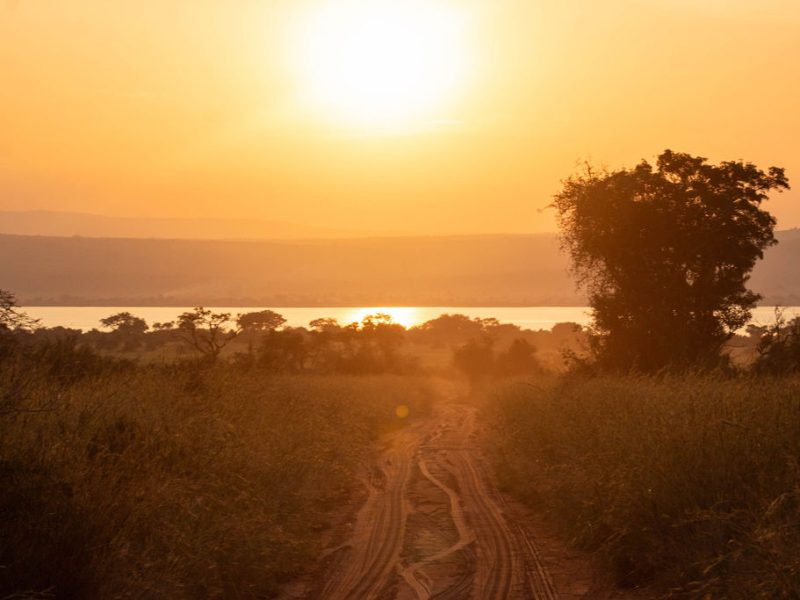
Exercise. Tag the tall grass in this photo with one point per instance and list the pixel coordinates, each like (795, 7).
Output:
(177, 483)
(690, 485)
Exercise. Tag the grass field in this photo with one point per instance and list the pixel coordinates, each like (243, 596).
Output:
(689, 485)
(178, 483)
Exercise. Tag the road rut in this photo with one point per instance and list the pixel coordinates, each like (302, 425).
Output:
(433, 525)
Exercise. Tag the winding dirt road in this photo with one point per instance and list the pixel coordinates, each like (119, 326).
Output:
(434, 526)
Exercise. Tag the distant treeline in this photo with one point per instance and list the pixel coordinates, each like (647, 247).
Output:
(479, 348)
(125, 479)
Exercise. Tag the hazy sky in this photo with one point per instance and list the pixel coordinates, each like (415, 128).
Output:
(205, 108)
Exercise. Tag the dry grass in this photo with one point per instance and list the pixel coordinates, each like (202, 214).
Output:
(690, 485)
(175, 483)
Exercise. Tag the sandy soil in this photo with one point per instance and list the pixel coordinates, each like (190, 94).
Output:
(432, 524)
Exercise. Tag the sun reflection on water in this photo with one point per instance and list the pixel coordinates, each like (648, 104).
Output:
(407, 316)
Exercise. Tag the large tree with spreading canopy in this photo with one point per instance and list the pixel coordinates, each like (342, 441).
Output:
(665, 253)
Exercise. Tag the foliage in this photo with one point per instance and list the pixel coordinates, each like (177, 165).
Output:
(479, 362)
(283, 352)
(261, 340)
(127, 329)
(179, 482)
(452, 329)
(779, 348)
(11, 318)
(382, 335)
(518, 359)
(370, 347)
(254, 325)
(689, 484)
(456, 329)
(475, 359)
(264, 320)
(205, 331)
(12, 323)
(125, 322)
(665, 253)
(64, 360)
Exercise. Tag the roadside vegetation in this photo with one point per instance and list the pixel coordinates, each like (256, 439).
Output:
(203, 457)
(672, 447)
(174, 482)
(687, 484)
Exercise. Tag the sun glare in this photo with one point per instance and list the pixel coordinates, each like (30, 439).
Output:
(382, 63)
(404, 315)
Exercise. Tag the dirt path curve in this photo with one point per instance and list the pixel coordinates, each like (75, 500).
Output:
(434, 526)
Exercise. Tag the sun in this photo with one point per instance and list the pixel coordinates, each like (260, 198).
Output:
(381, 63)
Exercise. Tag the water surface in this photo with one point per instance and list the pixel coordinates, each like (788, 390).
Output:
(531, 317)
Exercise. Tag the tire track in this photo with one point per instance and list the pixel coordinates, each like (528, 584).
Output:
(490, 559)
(380, 527)
(465, 536)
(496, 565)
(540, 582)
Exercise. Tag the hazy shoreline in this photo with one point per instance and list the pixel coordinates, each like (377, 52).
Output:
(526, 317)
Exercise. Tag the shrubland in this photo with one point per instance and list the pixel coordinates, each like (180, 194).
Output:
(672, 447)
(176, 481)
(687, 484)
(205, 458)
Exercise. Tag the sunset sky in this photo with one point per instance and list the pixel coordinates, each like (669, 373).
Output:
(463, 118)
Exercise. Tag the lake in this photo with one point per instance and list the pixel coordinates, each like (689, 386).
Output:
(532, 317)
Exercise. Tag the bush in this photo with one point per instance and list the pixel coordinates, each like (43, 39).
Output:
(686, 483)
(779, 349)
(180, 483)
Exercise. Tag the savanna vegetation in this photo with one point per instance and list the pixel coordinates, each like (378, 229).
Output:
(687, 485)
(671, 448)
(205, 457)
(665, 253)
(173, 481)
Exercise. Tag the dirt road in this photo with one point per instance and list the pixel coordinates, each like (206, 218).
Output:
(434, 526)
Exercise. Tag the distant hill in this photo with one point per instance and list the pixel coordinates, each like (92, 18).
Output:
(490, 270)
(777, 277)
(66, 224)
(525, 270)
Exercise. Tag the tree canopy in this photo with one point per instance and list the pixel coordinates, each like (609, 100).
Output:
(665, 253)
(206, 331)
(125, 323)
(263, 320)
(11, 317)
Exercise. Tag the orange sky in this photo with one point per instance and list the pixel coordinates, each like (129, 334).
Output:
(193, 108)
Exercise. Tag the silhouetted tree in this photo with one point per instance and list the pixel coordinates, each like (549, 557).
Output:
(325, 343)
(475, 359)
(779, 347)
(126, 328)
(324, 324)
(518, 359)
(253, 324)
(283, 351)
(665, 254)
(452, 329)
(380, 333)
(263, 320)
(13, 322)
(11, 317)
(205, 331)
